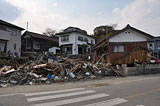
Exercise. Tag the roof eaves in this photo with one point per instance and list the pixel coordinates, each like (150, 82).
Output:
(10, 25)
(127, 27)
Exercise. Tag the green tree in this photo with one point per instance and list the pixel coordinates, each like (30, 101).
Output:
(103, 31)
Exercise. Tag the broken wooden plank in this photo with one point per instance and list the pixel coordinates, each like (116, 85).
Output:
(75, 67)
(40, 65)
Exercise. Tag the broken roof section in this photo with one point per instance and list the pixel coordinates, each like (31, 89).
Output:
(10, 25)
(40, 36)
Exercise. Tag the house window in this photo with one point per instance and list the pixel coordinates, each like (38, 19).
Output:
(2, 47)
(92, 42)
(158, 44)
(65, 38)
(86, 40)
(28, 46)
(117, 48)
(89, 50)
(36, 45)
(80, 38)
(9, 30)
(14, 46)
(2, 27)
(14, 32)
(67, 49)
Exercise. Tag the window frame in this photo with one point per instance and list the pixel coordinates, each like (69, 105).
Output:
(14, 30)
(80, 38)
(118, 47)
(15, 47)
(92, 42)
(65, 38)
(3, 28)
(35, 44)
(28, 46)
(86, 40)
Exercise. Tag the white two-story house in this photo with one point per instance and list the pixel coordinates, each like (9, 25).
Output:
(10, 38)
(75, 41)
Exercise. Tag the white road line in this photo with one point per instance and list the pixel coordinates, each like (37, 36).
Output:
(59, 95)
(142, 79)
(52, 92)
(110, 102)
(74, 100)
(12, 94)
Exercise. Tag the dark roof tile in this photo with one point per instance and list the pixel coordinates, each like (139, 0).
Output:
(10, 25)
(40, 36)
(74, 29)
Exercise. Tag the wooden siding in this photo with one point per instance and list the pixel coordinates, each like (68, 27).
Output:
(129, 46)
(139, 55)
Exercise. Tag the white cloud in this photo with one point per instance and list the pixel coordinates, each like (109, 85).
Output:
(115, 10)
(39, 14)
(143, 14)
(55, 4)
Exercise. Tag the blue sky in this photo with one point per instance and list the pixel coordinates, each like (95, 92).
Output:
(86, 14)
(13, 11)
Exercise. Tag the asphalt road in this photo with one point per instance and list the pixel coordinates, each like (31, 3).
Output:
(137, 92)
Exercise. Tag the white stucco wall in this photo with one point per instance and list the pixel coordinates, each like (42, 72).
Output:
(128, 37)
(73, 39)
(84, 36)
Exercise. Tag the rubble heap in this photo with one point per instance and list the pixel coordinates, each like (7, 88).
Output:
(50, 69)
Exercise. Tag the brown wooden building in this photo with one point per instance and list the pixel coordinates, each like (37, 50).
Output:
(124, 47)
(34, 42)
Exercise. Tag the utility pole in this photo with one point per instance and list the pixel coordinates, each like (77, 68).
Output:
(26, 38)
(27, 26)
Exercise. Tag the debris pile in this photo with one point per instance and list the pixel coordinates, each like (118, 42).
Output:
(49, 69)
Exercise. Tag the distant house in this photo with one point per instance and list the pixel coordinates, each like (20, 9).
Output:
(10, 38)
(34, 42)
(154, 46)
(75, 41)
(123, 47)
(154, 43)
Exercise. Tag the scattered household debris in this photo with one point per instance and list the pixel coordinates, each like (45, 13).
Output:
(53, 69)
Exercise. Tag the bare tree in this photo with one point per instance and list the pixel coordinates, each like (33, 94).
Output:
(49, 32)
